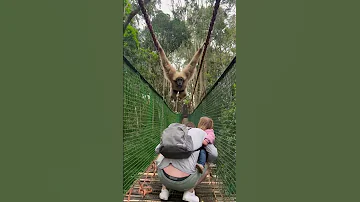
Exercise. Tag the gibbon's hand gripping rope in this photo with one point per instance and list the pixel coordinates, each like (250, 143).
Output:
(147, 20)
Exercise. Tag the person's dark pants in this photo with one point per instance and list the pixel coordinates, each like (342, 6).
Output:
(202, 157)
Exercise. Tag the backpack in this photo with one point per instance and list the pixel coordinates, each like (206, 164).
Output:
(175, 142)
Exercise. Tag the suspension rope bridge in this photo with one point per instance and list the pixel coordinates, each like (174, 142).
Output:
(146, 115)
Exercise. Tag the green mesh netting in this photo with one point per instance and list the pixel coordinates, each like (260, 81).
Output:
(220, 105)
(145, 117)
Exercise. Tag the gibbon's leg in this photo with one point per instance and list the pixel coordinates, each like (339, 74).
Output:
(173, 94)
(190, 68)
(182, 95)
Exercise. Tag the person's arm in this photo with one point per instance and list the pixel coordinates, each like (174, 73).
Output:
(212, 153)
(210, 137)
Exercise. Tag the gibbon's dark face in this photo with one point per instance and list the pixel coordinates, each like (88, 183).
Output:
(179, 82)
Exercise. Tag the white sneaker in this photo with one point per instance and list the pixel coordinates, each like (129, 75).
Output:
(200, 168)
(164, 194)
(190, 197)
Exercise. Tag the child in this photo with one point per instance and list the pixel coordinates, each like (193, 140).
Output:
(207, 125)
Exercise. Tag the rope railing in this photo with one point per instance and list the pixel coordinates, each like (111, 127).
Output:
(145, 81)
(146, 115)
(232, 63)
(220, 105)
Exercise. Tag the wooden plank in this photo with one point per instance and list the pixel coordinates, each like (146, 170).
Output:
(210, 190)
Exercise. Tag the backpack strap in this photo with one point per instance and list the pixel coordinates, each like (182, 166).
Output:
(198, 149)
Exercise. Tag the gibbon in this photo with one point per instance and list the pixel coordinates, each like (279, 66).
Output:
(178, 80)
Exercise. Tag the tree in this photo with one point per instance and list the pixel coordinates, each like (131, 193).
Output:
(131, 15)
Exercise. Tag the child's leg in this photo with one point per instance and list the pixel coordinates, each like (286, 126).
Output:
(202, 157)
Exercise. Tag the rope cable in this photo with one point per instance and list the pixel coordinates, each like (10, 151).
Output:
(216, 7)
(147, 20)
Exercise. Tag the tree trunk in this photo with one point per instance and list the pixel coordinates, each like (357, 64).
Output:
(202, 82)
(132, 15)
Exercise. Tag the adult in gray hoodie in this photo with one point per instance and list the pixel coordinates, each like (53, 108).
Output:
(181, 174)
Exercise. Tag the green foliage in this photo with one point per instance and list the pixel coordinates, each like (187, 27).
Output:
(171, 33)
(127, 8)
(145, 59)
(131, 38)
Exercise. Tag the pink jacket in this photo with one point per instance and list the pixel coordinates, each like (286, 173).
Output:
(210, 137)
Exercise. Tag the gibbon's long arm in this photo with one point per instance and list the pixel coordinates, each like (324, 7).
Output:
(190, 68)
(168, 69)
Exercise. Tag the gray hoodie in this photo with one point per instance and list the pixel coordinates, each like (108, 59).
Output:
(188, 165)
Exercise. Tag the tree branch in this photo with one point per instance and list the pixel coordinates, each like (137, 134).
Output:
(132, 15)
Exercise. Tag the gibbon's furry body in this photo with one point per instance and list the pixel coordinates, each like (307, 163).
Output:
(178, 80)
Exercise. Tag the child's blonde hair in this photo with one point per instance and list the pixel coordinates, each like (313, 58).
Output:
(205, 123)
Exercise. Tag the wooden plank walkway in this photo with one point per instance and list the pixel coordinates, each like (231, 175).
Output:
(207, 191)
